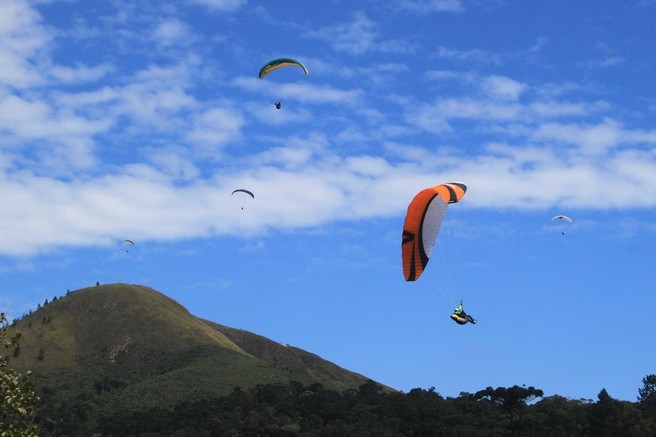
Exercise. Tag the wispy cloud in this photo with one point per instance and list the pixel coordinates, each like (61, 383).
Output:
(431, 6)
(496, 99)
(91, 150)
(318, 94)
(221, 5)
(359, 36)
(356, 37)
(171, 31)
(605, 62)
(471, 55)
(504, 87)
(80, 73)
(295, 190)
(214, 128)
(23, 37)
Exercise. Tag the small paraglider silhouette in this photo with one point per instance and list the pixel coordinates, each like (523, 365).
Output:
(564, 218)
(278, 104)
(128, 242)
(241, 190)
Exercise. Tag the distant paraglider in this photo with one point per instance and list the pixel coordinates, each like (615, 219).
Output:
(129, 242)
(562, 218)
(242, 190)
(279, 63)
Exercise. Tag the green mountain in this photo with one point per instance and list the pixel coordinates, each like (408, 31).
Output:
(129, 346)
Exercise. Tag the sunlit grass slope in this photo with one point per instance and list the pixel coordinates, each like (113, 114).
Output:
(130, 346)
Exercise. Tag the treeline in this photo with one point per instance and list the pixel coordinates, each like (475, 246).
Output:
(38, 307)
(295, 409)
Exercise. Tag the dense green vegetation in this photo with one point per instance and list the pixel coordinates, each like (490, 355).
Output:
(17, 394)
(295, 409)
(123, 360)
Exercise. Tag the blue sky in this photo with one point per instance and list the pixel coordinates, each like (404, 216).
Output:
(137, 119)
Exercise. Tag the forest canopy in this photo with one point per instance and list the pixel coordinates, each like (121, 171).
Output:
(295, 409)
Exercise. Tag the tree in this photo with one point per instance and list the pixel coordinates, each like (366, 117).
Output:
(17, 395)
(647, 394)
(509, 398)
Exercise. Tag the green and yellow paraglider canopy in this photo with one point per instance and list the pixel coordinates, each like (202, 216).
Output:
(279, 63)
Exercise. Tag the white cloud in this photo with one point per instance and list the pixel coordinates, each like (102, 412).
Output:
(498, 104)
(29, 120)
(435, 117)
(155, 96)
(300, 187)
(152, 150)
(301, 90)
(173, 162)
(80, 73)
(22, 39)
(591, 139)
(503, 87)
(221, 5)
(384, 74)
(443, 75)
(215, 128)
(472, 55)
(152, 103)
(171, 31)
(320, 94)
(359, 36)
(355, 37)
(605, 62)
(285, 157)
(428, 6)
(562, 109)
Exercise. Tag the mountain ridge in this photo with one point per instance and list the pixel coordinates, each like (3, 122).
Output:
(132, 346)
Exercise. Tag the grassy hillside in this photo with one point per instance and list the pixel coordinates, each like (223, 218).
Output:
(128, 346)
(304, 365)
(111, 324)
